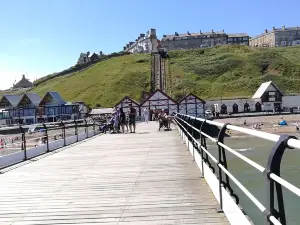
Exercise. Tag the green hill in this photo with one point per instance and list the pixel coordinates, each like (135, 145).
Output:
(230, 71)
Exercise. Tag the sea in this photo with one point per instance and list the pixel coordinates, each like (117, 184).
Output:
(258, 150)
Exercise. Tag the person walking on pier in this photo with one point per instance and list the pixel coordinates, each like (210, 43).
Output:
(122, 120)
(132, 115)
(146, 115)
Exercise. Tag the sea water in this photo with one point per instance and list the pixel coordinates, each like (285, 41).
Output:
(258, 150)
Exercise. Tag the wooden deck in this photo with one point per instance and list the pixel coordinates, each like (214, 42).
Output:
(127, 179)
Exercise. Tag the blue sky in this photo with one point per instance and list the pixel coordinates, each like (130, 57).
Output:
(39, 37)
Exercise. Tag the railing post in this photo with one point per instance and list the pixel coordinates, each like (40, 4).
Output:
(193, 142)
(187, 132)
(223, 161)
(76, 130)
(273, 166)
(202, 144)
(45, 136)
(63, 132)
(94, 127)
(86, 128)
(23, 145)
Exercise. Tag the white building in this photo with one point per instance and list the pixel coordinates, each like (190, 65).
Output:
(191, 105)
(126, 102)
(270, 96)
(145, 43)
(161, 101)
(225, 106)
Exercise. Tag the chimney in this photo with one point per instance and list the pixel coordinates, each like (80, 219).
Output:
(283, 27)
(274, 28)
(164, 35)
(188, 33)
(223, 31)
(176, 34)
(124, 48)
(266, 30)
(212, 30)
(200, 32)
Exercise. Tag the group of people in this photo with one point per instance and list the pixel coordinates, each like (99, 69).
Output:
(120, 120)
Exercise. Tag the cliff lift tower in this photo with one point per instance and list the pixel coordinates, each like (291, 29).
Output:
(160, 71)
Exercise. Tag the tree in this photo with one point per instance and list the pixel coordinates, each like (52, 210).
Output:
(101, 53)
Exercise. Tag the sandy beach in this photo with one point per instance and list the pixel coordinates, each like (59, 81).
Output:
(268, 123)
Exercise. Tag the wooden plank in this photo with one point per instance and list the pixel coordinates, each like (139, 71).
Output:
(144, 178)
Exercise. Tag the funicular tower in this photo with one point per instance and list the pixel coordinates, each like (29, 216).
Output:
(160, 71)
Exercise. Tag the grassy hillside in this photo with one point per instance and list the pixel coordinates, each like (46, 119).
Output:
(230, 71)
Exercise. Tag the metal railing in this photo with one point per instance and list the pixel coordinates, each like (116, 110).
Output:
(192, 126)
(50, 132)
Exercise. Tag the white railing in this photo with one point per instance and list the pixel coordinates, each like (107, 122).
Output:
(192, 126)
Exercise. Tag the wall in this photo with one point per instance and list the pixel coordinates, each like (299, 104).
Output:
(19, 156)
(230, 102)
(290, 101)
(230, 208)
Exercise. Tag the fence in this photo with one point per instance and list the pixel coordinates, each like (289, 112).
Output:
(46, 138)
(193, 132)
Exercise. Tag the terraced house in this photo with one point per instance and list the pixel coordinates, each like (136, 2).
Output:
(284, 36)
(202, 40)
(31, 108)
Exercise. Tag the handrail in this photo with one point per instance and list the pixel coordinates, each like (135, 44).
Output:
(50, 132)
(271, 172)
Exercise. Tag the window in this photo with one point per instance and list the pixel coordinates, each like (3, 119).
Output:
(271, 99)
(229, 39)
(184, 38)
(245, 38)
(177, 38)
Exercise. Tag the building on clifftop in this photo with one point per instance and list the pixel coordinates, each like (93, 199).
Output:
(23, 83)
(145, 43)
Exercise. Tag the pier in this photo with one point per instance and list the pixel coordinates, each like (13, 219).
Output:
(150, 177)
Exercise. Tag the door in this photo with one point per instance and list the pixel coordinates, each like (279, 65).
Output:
(258, 107)
(235, 108)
